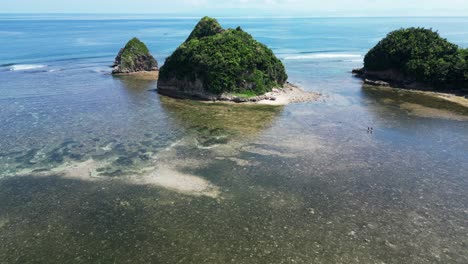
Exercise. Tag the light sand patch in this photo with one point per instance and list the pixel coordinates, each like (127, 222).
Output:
(174, 180)
(4, 222)
(164, 177)
(288, 95)
(86, 170)
(243, 162)
(460, 100)
(453, 98)
(428, 112)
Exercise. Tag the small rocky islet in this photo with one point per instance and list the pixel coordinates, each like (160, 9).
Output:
(416, 58)
(216, 63)
(135, 58)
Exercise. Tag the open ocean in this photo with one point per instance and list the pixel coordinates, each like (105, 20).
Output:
(102, 169)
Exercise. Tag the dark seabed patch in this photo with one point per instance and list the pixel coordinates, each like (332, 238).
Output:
(268, 212)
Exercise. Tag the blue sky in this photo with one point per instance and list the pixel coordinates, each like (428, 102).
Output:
(246, 7)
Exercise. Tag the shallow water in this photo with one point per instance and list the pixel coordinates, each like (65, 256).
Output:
(102, 169)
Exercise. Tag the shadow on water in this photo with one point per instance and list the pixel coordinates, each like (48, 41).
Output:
(135, 83)
(137, 91)
(220, 122)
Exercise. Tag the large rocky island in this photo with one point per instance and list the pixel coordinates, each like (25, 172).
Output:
(416, 58)
(223, 64)
(135, 59)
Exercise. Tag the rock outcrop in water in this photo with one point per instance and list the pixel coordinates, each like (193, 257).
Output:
(134, 58)
(214, 61)
(416, 58)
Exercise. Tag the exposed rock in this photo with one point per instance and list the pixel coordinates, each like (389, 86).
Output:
(358, 72)
(133, 58)
(387, 78)
(376, 83)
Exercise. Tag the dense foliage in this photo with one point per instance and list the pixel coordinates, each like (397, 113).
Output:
(135, 53)
(423, 55)
(206, 27)
(228, 61)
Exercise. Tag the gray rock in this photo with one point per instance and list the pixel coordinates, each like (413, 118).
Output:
(376, 83)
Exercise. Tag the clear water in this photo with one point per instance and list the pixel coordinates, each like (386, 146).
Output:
(86, 159)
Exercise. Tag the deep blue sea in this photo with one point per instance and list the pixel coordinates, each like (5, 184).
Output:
(102, 169)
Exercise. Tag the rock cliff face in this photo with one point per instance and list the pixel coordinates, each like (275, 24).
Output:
(390, 77)
(214, 61)
(133, 58)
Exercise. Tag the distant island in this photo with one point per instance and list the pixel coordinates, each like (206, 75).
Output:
(135, 59)
(417, 58)
(225, 64)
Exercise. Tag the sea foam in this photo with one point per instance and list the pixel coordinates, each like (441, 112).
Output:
(323, 56)
(25, 67)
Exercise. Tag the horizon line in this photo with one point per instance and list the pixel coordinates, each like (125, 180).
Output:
(193, 16)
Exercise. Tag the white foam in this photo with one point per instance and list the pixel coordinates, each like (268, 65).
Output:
(323, 56)
(359, 60)
(25, 67)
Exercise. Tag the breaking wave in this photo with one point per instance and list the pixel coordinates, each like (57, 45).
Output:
(25, 67)
(323, 56)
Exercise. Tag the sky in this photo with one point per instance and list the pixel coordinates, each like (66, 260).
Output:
(239, 8)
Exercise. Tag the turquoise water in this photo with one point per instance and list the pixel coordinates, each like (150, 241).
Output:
(101, 169)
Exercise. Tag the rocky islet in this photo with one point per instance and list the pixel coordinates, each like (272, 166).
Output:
(134, 58)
